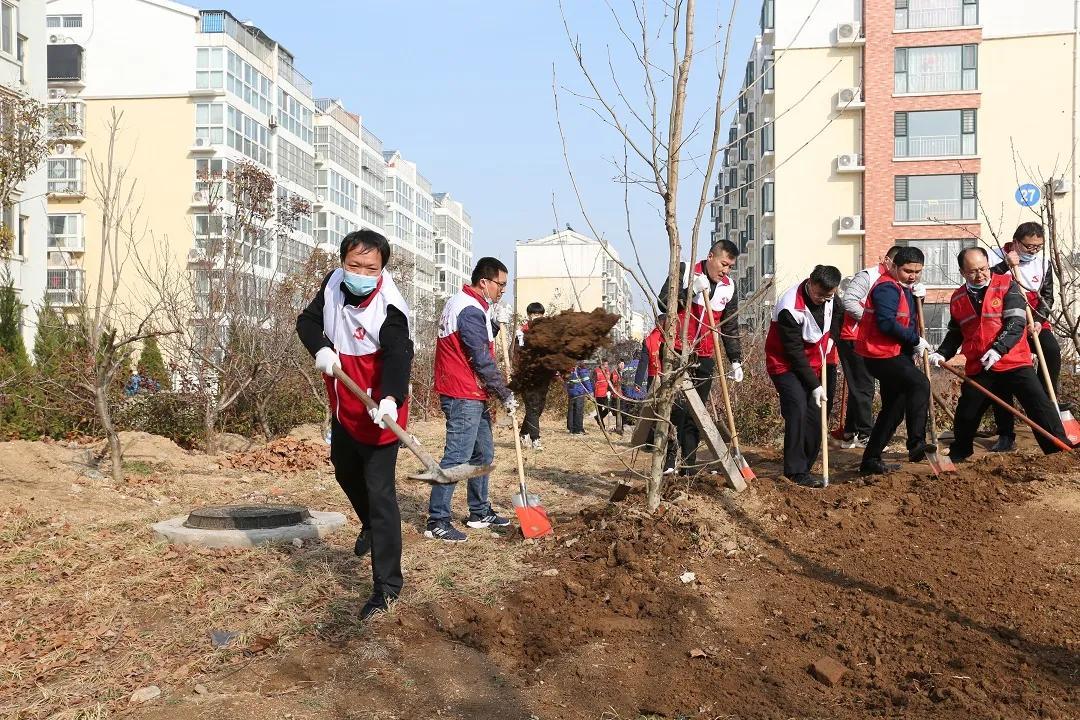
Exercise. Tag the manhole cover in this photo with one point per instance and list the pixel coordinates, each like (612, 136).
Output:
(246, 517)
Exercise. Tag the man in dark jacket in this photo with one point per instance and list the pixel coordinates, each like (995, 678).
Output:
(578, 387)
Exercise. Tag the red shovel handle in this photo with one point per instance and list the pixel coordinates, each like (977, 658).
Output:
(1031, 423)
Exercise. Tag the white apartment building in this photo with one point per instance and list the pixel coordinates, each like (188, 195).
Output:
(337, 173)
(453, 245)
(570, 271)
(22, 70)
(409, 224)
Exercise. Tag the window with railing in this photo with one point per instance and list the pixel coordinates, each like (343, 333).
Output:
(926, 14)
(294, 116)
(248, 84)
(934, 133)
(940, 268)
(248, 136)
(945, 68)
(210, 68)
(935, 198)
(65, 175)
(65, 232)
(66, 119)
(63, 21)
(63, 286)
(295, 165)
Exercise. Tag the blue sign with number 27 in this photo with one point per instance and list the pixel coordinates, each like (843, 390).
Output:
(1028, 195)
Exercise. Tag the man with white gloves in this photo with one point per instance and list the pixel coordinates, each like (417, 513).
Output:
(795, 348)
(987, 324)
(358, 324)
(465, 374)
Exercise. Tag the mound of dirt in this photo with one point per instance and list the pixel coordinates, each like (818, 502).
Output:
(282, 455)
(554, 344)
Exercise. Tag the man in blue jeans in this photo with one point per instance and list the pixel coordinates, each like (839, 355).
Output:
(465, 374)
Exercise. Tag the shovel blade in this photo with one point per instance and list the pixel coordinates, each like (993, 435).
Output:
(533, 519)
(940, 463)
(448, 476)
(1072, 427)
(744, 467)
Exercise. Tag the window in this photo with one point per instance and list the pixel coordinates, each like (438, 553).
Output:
(209, 68)
(934, 133)
(294, 116)
(733, 219)
(768, 15)
(210, 176)
(210, 122)
(331, 228)
(248, 84)
(65, 119)
(750, 74)
(338, 148)
(248, 136)
(940, 267)
(768, 202)
(946, 68)
(63, 287)
(748, 236)
(768, 137)
(768, 259)
(919, 14)
(63, 21)
(65, 232)
(8, 26)
(371, 208)
(303, 223)
(770, 74)
(373, 169)
(337, 189)
(65, 175)
(20, 239)
(743, 102)
(744, 150)
(295, 165)
(937, 321)
(934, 198)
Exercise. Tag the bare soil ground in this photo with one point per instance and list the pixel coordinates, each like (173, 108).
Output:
(943, 597)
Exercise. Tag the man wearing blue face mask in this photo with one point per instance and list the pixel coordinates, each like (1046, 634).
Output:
(1025, 253)
(358, 323)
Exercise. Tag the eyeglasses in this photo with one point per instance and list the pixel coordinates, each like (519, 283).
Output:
(500, 284)
(1030, 248)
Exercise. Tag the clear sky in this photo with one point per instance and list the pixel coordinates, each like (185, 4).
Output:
(464, 89)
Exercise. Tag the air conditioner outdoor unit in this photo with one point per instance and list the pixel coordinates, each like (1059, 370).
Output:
(848, 160)
(848, 32)
(850, 222)
(320, 159)
(200, 196)
(1062, 186)
(61, 149)
(273, 122)
(850, 95)
(319, 200)
(57, 94)
(196, 255)
(202, 142)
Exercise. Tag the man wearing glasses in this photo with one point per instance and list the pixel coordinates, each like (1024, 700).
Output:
(465, 375)
(1037, 281)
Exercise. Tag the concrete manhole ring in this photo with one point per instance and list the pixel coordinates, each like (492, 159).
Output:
(246, 517)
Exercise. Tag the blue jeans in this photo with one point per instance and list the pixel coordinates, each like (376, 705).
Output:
(468, 440)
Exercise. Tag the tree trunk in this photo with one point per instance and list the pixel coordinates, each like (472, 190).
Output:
(101, 402)
(210, 426)
(654, 486)
(263, 417)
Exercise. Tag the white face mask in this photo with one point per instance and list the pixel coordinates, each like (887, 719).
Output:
(973, 286)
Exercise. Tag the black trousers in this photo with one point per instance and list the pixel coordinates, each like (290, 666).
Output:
(860, 383)
(575, 414)
(687, 431)
(830, 389)
(535, 399)
(366, 474)
(1005, 421)
(802, 424)
(1024, 384)
(603, 406)
(905, 391)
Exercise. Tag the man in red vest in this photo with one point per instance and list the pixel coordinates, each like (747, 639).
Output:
(889, 343)
(465, 375)
(988, 325)
(859, 413)
(649, 360)
(795, 347)
(602, 382)
(358, 323)
(711, 276)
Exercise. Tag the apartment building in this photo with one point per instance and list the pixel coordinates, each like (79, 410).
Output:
(22, 71)
(868, 123)
(453, 245)
(409, 224)
(570, 271)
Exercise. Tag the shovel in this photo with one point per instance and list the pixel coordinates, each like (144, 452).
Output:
(824, 424)
(1023, 418)
(531, 515)
(435, 474)
(737, 456)
(1071, 425)
(838, 433)
(938, 463)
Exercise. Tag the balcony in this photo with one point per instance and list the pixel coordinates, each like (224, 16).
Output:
(65, 64)
(923, 211)
(64, 286)
(66, 121)
(294, 77)
(67, 189)
(933, 146)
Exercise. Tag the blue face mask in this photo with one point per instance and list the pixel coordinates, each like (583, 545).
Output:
(1026, 257)
(360, 285)
(980, 286)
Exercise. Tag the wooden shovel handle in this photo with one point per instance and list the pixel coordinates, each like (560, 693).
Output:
(1044, 369)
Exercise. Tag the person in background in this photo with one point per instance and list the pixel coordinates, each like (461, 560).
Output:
(889, 342)
(466, 375)
(633, 392)
(1025, 253)
(615, 396)
(987, 324)
(795, 348)
(648, 366)
(358, 323)
(535, 397)
(859, 413)
(578, 387)
(602, 392)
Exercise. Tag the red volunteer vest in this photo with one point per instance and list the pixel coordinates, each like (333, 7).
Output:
(980, 331)
(815, 339)
(600, 383)
(354, 330)
(873, 343)
(652, 344)
(454, 376)
(700, 330)
(849, 330)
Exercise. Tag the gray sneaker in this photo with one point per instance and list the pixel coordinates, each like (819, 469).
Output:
(445, 531)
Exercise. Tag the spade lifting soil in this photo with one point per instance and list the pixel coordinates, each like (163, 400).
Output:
(554, 344)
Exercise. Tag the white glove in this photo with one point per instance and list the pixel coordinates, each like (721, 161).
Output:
(923, 346)
(736, 372)
(936, 359)
(819, 396)
(918, 290)
(326, 360)
(700, 284)
(387, 409)
(510, 403)
(503, 313)
(990, 359)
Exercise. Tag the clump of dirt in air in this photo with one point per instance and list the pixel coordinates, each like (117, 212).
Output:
(555, 344)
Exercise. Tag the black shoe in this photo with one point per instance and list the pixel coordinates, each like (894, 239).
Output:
(807, 480)
(877, 467)
(957, 458)
(363, 544)
(920, 452)
(1004, 443)
(377, 603)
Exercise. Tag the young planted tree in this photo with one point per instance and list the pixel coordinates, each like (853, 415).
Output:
(152, 364)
